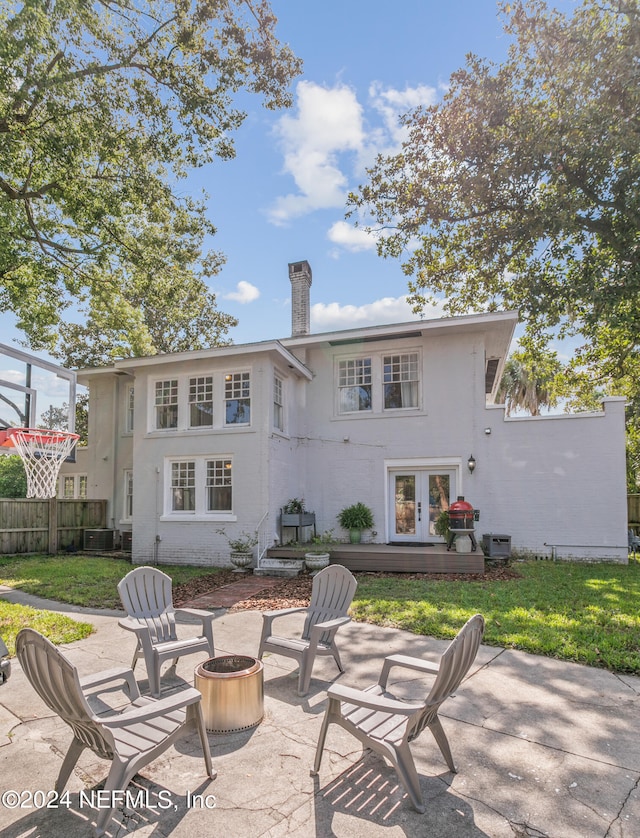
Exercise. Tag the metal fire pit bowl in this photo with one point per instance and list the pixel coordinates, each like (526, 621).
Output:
(232, 690)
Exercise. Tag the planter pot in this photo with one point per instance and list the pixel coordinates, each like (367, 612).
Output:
(241, 561)
(316, 561)
(355, 536)
(298, 519)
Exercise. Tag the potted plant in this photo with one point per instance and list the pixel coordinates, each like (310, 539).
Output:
(294, 514)
(356, 518)
(241, 549)
(318, 557)
(442, 524)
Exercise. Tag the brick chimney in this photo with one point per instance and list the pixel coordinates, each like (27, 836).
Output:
(300, 278)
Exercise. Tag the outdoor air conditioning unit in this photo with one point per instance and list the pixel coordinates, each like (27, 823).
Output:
(99, 539)
(127, 538)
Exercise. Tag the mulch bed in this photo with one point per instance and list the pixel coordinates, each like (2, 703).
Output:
(296, 592)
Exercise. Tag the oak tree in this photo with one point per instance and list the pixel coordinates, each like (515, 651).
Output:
(521, 188)
(105, 107)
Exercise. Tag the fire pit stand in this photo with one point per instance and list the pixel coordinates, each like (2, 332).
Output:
(232, 688)
(461, 523)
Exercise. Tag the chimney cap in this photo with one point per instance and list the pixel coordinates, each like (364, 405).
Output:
(299, 269)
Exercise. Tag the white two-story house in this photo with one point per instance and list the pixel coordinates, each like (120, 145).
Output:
(186, 445)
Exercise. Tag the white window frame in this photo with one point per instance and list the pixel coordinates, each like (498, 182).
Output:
(79, 483)
(237, 388)
(349, 374)
(278, 402)
(354, 374)
(182, 487)
(200, 485)
(127, 506)
(166, 395)
(218, 477)
(404, 366)
(129, 420)
(200, 396)
(217, 389)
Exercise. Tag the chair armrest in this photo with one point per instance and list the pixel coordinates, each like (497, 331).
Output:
(362, 698)
(328, 625)
(269, 616)
(131, 624)
(281, 612)
(198, 613)
(108, 676)
(417, 664)
(154, 708)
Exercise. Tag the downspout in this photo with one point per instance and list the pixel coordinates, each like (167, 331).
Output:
(157, 539)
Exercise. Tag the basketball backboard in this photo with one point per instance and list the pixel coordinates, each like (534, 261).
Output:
(35, 393)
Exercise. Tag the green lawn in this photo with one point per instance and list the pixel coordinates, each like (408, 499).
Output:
(79, 580)
(57, 627)
(568, 610)
(571, 611)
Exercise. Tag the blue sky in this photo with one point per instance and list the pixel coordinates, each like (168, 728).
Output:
(283, 197)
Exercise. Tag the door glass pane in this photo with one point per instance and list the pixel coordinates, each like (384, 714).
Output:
(405, 506)
(439, 494)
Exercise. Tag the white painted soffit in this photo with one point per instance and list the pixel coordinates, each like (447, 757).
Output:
(130, 365)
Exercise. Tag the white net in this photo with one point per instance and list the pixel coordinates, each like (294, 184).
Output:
(42, 452)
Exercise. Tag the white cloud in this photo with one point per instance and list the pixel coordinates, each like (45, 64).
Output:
(333, 316)
(332, 137)
(390, 105)
(351, 238)
(328, 122)
(246, 293)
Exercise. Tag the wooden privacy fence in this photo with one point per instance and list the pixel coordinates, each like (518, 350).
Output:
(30, 525)
(633, 510)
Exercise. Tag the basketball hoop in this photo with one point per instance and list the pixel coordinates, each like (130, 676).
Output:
(42, 453)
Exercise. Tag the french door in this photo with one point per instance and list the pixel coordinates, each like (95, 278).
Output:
(417, 497)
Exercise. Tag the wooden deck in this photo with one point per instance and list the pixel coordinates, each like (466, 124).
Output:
(394, 559)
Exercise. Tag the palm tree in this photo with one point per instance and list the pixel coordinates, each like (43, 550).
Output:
(528, 383)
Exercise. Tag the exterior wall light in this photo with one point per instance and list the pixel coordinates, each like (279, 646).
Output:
(471, 463)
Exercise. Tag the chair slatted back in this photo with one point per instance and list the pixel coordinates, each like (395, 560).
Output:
(455, 662)
(56, 681)
(332, 593)
(146, 596)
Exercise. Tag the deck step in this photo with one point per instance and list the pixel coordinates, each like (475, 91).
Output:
(279, 567)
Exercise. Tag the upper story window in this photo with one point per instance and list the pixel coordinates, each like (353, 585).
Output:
(354, 383)
(400, 380)
(130, 405)
(201, 401)
(378, 383)
(166, 403)
(237, 397)
(214, 400)
(278, 403)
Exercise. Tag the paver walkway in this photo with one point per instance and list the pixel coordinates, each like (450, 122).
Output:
(228, 595)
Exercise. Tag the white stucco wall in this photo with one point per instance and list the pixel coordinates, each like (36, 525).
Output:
(555, 485)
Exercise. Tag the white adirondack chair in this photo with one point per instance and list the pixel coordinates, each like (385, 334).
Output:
(331, 595)
(146, 596)
(130, 739)
(386, 725)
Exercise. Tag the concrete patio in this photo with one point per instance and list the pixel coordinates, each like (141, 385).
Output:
(543, 748)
